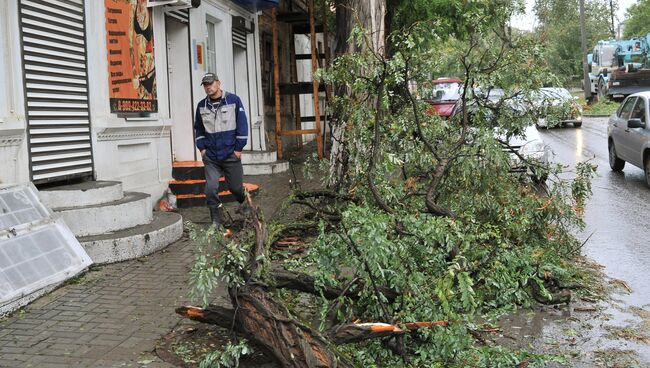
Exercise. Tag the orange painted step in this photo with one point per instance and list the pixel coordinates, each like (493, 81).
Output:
(194, 200)
(193, 182)
(250, 187)
(187, 164)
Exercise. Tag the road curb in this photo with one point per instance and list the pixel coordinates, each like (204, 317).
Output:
(595, 116)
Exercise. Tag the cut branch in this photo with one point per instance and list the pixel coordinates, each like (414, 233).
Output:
(325, 193)
(374, 156)
(285, 279)
(356, 332)
(213, 315)
(260, 240)
(431, 204)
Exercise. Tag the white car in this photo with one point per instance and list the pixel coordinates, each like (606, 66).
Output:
(556, 107)
(628, 134)
(531, 147)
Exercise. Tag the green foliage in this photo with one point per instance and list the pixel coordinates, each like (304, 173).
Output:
(228, 357)
(216, 260)
(504, 236)
(637, 19)
(452, 18)
(439, 228)
(602, 107)
(559, 32)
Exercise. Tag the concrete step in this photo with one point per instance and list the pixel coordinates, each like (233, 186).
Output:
(259, 157)
(82, 194)
(131, 210)
(138, 241)
(266, 168)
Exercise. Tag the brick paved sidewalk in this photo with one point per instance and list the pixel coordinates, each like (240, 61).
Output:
(109, 317)
(113, 315)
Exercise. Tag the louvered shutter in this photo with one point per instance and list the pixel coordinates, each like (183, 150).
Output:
(56, 89)
(239, 37)
(182, 15)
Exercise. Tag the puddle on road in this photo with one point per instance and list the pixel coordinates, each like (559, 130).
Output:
(587, 333)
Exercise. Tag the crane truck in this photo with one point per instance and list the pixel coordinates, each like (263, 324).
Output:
(618, 68)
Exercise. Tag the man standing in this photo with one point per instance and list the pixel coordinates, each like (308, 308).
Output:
(221, 134)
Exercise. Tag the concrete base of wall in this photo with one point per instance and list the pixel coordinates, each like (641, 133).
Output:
(266, 169)
(262, 163)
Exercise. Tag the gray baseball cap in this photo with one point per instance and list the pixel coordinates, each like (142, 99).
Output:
(208, 78)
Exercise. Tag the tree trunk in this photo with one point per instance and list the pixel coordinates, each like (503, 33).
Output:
(267, 322)
(292, 344)
(260, 318)
(370, 15)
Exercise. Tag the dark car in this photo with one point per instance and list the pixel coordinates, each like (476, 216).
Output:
(442, 95)
(628, 134)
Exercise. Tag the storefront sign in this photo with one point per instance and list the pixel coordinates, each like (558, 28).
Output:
(199, 54)
(130, 50)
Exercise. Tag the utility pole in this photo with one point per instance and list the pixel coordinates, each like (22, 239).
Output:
(611, 12)
(586, 84)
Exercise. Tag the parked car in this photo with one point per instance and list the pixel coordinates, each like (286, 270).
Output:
(443, 95)
(628, 135)
(531, 147)
(555, 107)
(527, 150)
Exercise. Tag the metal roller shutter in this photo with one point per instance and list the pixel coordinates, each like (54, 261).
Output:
(56, 89)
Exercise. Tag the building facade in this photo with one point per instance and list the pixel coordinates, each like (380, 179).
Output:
(106, 89)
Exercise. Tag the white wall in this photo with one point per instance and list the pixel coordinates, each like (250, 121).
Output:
(134, 151)
(14, 164)
(217, 13)
(180, 91)
(220, 13)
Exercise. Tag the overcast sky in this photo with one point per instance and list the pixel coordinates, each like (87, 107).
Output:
(528, 21)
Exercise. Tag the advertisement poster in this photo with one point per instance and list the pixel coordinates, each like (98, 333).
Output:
(130, 50)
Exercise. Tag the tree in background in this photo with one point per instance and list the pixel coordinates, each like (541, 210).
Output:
(559, 32)
(637, 19)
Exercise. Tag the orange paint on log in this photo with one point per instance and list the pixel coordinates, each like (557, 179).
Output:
(193, 312)
(379, 327)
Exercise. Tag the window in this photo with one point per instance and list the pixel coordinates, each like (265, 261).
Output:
(211, 47)
(624, 113)
(639, 110)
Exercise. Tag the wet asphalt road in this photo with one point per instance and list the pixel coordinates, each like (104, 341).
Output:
(617, 215)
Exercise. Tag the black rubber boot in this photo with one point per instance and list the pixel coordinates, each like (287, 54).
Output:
(215, 215)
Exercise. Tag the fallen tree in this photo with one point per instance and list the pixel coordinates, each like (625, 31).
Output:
(425, 226)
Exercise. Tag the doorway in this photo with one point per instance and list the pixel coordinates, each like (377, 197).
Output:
(180, 90)
(242, 89)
